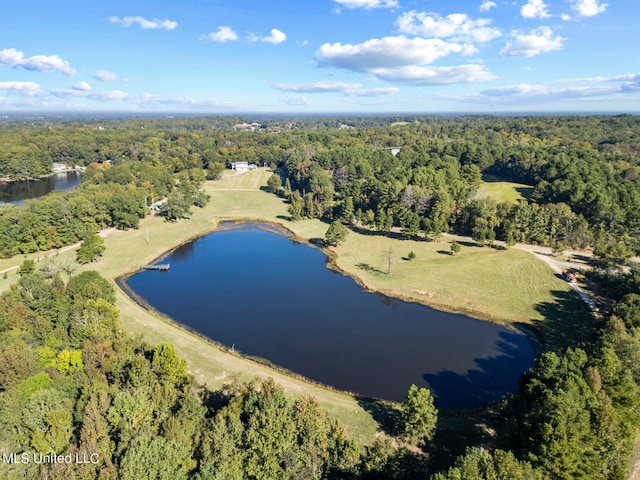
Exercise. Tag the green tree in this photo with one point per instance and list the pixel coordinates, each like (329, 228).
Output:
(346, 215)
(336, 234)
(27, 267)
(419, 416)
(612, 254)
(154, 458)
(177, 206)
(91, 248)
(480, 464)
(455, 247)
(628, 309)
(558, 247)
(168, 366)
(296, 206)
(274, 184)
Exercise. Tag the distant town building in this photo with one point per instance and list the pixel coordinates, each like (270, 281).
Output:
(394, 150)
(246, 127)
(157, 206)
(59, 167)
(243, 166)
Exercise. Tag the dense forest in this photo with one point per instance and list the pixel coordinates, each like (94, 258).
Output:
(583, 171)
(72, 382)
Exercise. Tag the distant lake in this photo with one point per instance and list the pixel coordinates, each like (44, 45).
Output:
(253, 288)
(18, 192)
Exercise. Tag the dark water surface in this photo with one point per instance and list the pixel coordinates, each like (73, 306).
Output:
(274, 298)
(18, 192)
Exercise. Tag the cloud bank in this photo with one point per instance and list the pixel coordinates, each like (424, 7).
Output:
(38, 63)
(145, 24)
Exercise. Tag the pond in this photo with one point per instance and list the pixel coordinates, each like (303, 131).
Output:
(18, 192)
(250, 287)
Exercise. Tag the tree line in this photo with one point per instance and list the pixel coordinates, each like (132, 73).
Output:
(583, 170)
(585, 189)
(72, 383)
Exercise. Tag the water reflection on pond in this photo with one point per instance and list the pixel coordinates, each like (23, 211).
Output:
(18, 192)
(274, 298)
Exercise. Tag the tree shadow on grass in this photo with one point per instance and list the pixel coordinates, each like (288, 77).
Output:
(445, 252)
(455, 431)
(368, 268)
(375, 233)
(467, 243)
(567, 322)
(525, 192)
(386, 414)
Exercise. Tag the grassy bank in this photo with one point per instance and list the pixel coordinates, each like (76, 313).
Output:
(506, 286)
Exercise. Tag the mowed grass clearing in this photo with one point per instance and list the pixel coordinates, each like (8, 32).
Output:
(501, 285)
(503, 191)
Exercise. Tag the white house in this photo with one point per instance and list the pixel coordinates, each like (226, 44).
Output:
(157, 206)
(243, 166)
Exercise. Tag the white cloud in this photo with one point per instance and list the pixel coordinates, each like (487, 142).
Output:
(402, 60)
(318, 87)
(534, 9)
(423, 76)
(105, 76)
(110, 95)
(541, 40)
(151, 101)
(595, 88)
(527, 94)
(275, 38)
(82, 87)
(487, 5)
(628, 82)
(565, 17)
(589, 8)
(27, 89)
(387, 52)
(345, 88)
(296, 101)
(103, 96)
(457, 26)
(222, 35)
(374, 92)
(367, 4)
(39, 63)
(145, 24)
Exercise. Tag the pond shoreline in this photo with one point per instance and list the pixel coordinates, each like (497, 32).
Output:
(220, 224)
(294, 364)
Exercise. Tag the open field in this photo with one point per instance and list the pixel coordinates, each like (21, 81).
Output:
(503, 285)
(502, 191)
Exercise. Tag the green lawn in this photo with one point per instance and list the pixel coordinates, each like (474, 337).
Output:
(502, 285)
(502, 191)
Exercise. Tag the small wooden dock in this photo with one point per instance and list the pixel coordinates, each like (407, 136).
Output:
(163, 267)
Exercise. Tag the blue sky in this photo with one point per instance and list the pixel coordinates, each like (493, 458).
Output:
(320, 56)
